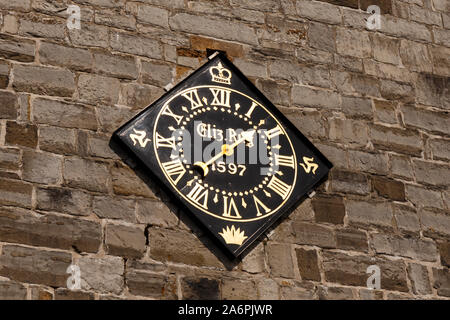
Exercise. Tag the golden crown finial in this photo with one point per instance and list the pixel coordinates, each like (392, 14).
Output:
(220, 74)
(233, 235)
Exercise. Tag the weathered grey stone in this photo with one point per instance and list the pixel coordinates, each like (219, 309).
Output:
(19, 5)
(322, 37)
(114, 208)
(385, 111)
(442, 281)
(41, 167)
(368, 162)
(267, 289)
(386, 49)
(309, 122)
(63, 114)
(308, 266)
(58, 55)
(57, 140)
(15, 193)
(49, 28)
(440, 148)
(319, 11)
(55, 231)
(351, 270)
(431, 172)
(277, 93)
(441, 65)
(360, 43)
(153, 15)
(70, 201)
(351, 239)
(138, 96)
(151, 285)
(435, 223)
(407, 219)
(351, 83)
(115, 19)
(357, 107)
(253, 262)
(387, 71)
(279, 258)
(155, 213)
(17, 49)
(9, 159)
(348, 131)
(403, 28)
(401, 166)
(104, 274)
(34, 265)
(126, 182)
(11, 290)
(415, 56)
(214, 27)
(392, 139)
(44, 80)
(349, 182)
(156, 73)
(98, 89)
(235, 289)
(423, 197)
(418, 249)
(286, 70)
(305, 96)
(90, 175)
(115, 65)
(125, 240)
(433, 90)
(180, 247)
(360, 213)
(296, 290)
(419, 278)
(335, 293)
(313, 234)
(90, 35)
(138, 45)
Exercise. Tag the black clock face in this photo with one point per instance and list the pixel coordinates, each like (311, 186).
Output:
(216, 174)
(225, 153)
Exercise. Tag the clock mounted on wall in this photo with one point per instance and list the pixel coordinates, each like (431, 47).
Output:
(225, 152)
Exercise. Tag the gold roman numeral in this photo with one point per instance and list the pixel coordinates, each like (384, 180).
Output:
(273, 132)
(193, 98)
(199, 195)
(174, 168)
(221, 97)
(230, 206)
(249, 112)
(258, 204)
(287, 161)
(165, 142)
(279, 187)
(168, 112)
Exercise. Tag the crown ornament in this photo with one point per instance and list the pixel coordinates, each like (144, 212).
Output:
(220, 74)
(233, 235)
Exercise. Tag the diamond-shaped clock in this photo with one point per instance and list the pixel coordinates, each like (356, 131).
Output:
(225, 153)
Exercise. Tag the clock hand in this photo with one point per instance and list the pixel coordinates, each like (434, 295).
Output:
(226, 150)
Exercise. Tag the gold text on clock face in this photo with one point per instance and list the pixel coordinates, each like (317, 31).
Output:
(225, 153)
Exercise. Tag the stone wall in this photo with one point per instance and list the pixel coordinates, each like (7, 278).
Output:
(375, 102)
